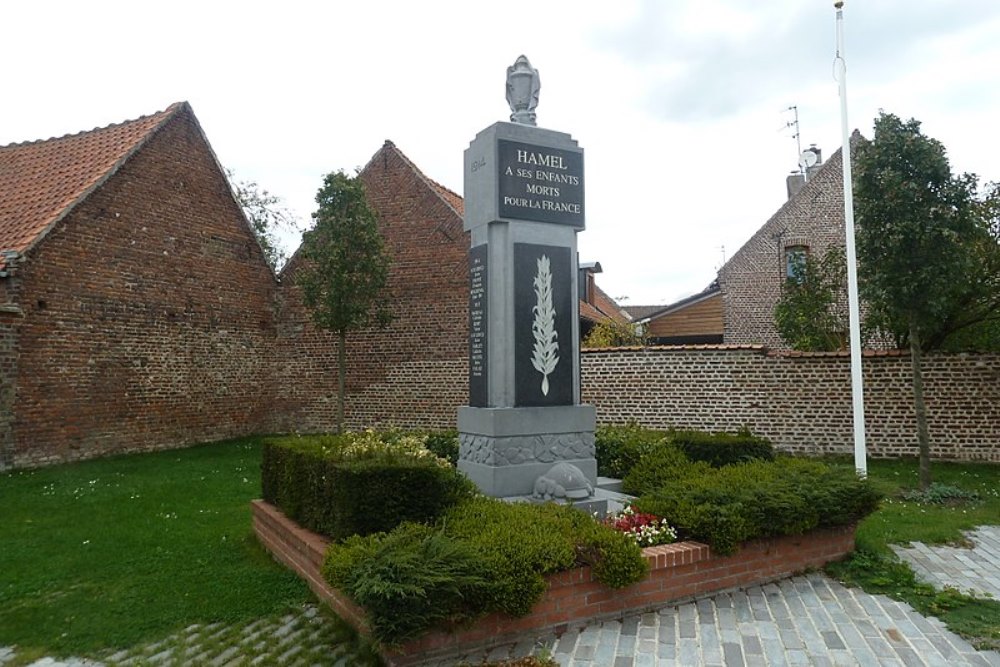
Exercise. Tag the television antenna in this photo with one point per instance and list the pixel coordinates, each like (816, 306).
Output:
(797, 135)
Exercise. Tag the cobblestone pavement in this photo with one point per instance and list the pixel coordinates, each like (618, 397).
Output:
(976, 569)
(806, 620)
(305, 637)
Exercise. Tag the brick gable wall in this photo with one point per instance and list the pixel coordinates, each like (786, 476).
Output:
(751, 280)
(148, 314)
(412, 374)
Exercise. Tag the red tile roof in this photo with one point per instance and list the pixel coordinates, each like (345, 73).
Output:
(454, 199)
(609, 306)
(589, 312)
(41, 181)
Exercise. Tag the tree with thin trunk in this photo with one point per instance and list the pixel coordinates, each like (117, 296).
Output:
(267, 215)
(810, 314)
(920, 238)
(345, 270)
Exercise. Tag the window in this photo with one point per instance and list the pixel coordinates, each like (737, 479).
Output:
(795, 262)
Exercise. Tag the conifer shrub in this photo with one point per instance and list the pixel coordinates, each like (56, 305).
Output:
(518, 544)
(730, 505)
(483, 555)
(521, 543)
(358, 483)
(658, 468)
(408, 580)
(720, 449)
(620, 448)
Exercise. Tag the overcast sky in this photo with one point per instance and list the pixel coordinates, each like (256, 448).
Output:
(679, 104)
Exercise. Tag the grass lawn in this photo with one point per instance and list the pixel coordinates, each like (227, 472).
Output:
(119, 551)
(875, 567)
(122, 551)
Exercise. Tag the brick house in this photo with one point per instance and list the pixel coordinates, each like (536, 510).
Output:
(694, 320)
(595, 304)
(389, 371)
(809, 223)
(137, 311)
(414, 374)
(135, 303)
(738, 307)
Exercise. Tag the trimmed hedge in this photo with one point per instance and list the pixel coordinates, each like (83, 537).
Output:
(621, 448)
(720, 449)
(727, 506)
(358, 483)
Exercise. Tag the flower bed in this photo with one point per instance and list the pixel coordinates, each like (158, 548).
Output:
(677, 572)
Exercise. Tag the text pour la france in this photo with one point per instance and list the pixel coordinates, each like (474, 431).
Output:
(542, 204)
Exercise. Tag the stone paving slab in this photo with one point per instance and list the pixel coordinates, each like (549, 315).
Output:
(805, 620)
(976, 569)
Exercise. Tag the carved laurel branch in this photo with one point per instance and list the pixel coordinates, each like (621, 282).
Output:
(546, 351)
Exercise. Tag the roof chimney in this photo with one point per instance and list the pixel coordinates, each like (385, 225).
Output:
(809, 163)
(794, 182)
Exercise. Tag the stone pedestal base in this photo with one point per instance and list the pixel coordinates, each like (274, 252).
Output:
(504, 450)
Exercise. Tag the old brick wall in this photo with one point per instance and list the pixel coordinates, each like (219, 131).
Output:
(148, 314)
(10, 321)
(414, 373)
(751, 280)
(801, 402)
(150, 320)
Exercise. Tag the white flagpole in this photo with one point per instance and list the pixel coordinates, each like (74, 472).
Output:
(857, 386)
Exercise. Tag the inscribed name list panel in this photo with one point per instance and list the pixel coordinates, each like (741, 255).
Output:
(544, 349)
(478, 329)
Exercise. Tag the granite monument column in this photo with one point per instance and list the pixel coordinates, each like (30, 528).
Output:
(524, 431)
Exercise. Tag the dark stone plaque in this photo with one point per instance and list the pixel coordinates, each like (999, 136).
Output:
(540, 183)
(478, 313)
(544, 348)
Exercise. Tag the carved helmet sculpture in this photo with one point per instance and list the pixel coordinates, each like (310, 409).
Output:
(563, 480)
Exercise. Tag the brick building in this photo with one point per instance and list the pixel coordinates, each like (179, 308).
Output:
(694, 320)
(808, 224)
(137, 311)
(136, 304)
(390, 372)
(738, 307)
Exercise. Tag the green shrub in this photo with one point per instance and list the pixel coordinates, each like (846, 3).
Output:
(408, 580)
(836, 493)
(444, 444)
(522, 542)
(699, 508)
(720, 449)
(619, 448)
(727, 506)
(663, 465)
(612, 556)
(484, 555)
(519, 544)
(358, 483)
(940, 494)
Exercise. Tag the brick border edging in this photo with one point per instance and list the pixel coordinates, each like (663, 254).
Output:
(677, 572)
